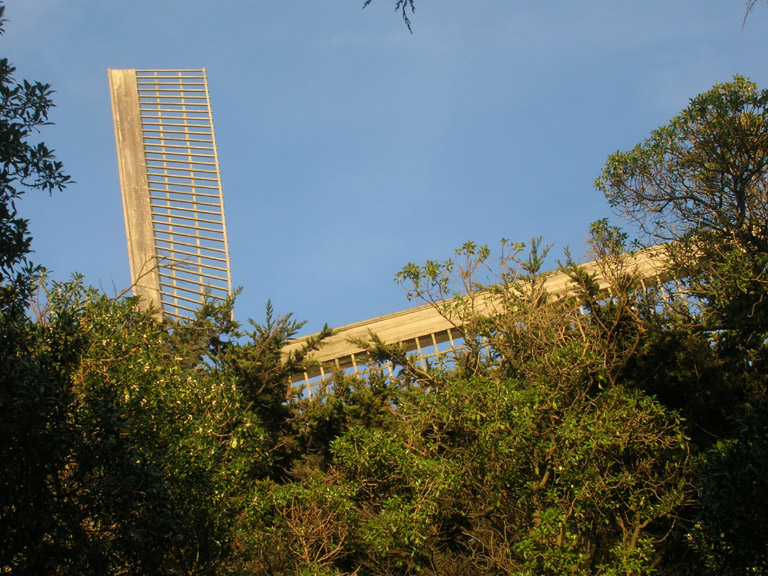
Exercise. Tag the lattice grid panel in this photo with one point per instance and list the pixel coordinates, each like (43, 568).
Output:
(185, 196)
(433, 350)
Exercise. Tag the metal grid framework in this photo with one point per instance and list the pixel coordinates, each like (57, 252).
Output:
(181, 183)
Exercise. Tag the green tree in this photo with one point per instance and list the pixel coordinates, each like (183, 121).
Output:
(30, 416)
(567, 375)
(119, 455)
(130, 445)
(532, 451)
(700, 184)
(24, 165)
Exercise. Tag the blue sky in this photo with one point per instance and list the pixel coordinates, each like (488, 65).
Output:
(349, 147)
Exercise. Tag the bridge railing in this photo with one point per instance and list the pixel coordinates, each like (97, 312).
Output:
(430, 335)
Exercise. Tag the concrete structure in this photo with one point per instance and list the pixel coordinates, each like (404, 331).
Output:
(431, 334)
(171, 188)
(177, 242)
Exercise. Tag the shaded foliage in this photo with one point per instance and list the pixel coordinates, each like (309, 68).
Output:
(117, 458)
(24, 165)
(733, 499)
(701, 184)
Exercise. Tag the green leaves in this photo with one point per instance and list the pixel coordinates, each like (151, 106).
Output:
(701, 182)
(24, 164)
(704, 171)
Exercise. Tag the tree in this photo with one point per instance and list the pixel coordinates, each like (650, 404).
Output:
(125, 448)
(31, 398)
(118, 454)
(750, 6)
(700, 184)
(402, 6)
(24, 165)
(705, 171)
(532, 451)
(732, 499)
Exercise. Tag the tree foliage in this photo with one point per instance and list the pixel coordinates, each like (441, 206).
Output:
(701, 184)
(24, 165)
(616, 429)
(749, 7)
(117, 459)
(704, 172)
(401, 6)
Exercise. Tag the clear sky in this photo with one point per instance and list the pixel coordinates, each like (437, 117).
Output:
(349, 147)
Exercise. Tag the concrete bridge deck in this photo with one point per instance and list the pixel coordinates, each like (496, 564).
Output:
(424, 331)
